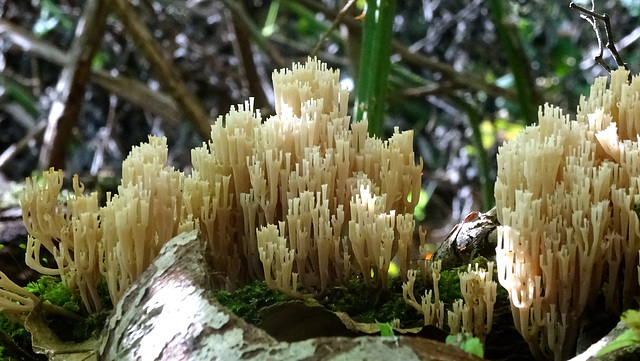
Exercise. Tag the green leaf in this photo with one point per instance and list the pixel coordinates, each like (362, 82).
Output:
(375, 64)
(50, 17)
(628, 338)
(632, 319)
(270, 24)
(467, 343)
(99, 59)
(385, 329)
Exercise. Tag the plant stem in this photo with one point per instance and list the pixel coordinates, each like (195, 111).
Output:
(374, 64)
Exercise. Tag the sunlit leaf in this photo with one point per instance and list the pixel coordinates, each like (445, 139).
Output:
(628, 338)
(467, 343)
(385, 329)
(50, 17)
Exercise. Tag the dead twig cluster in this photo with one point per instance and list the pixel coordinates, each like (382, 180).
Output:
(592, 18)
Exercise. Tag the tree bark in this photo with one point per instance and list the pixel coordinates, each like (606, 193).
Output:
(170, 314)
(474, 236)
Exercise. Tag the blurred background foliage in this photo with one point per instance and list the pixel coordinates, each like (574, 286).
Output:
(463, 74)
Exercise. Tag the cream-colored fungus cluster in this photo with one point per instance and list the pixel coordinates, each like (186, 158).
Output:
(303, 199)
(117, 241)
(566, 195)
(473, 313)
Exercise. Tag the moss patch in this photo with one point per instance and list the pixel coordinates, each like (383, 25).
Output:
(362, 303)
(51, 289)
(16, 332)
(246, 302)
(370, 305)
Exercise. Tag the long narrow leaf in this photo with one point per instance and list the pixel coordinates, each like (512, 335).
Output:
(374, 64)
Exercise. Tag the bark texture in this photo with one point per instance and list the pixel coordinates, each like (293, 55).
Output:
(474, 236)
(170, 314)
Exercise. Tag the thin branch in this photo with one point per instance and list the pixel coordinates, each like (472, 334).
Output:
(11, 151)
(139, 94)
(465, 80)
(591, 17)
(129, 89)
(425, 91)
(337, 21)
(71, 85)
(260, 40)
(30, 44)
(13, 350)
(163, 67)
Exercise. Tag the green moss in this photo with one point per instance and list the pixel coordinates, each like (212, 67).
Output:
(369, 305)
(246, 302)
(51, 289)
(91, 326)
(361, 303)
(449, 285)
(15, 331)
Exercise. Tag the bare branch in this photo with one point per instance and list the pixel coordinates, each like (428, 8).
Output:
(71, 85)
(163, 67)
(334, 25)
(469, 81)
(592, 17)
(129, 89)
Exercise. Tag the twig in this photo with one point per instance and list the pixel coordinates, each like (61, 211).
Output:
(14, 149)
(31, 45)
(591, 17)
(465, 80)
(260, 40)
(242, 47)
(627, 40)
(131, 90)
(425, 91)
(163, 67)
(334, 25)
(139, 94)
(13, 350)
(71, 85)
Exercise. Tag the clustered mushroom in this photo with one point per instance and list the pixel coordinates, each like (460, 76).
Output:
(303, 199)
(472, 314)
(566, 197)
